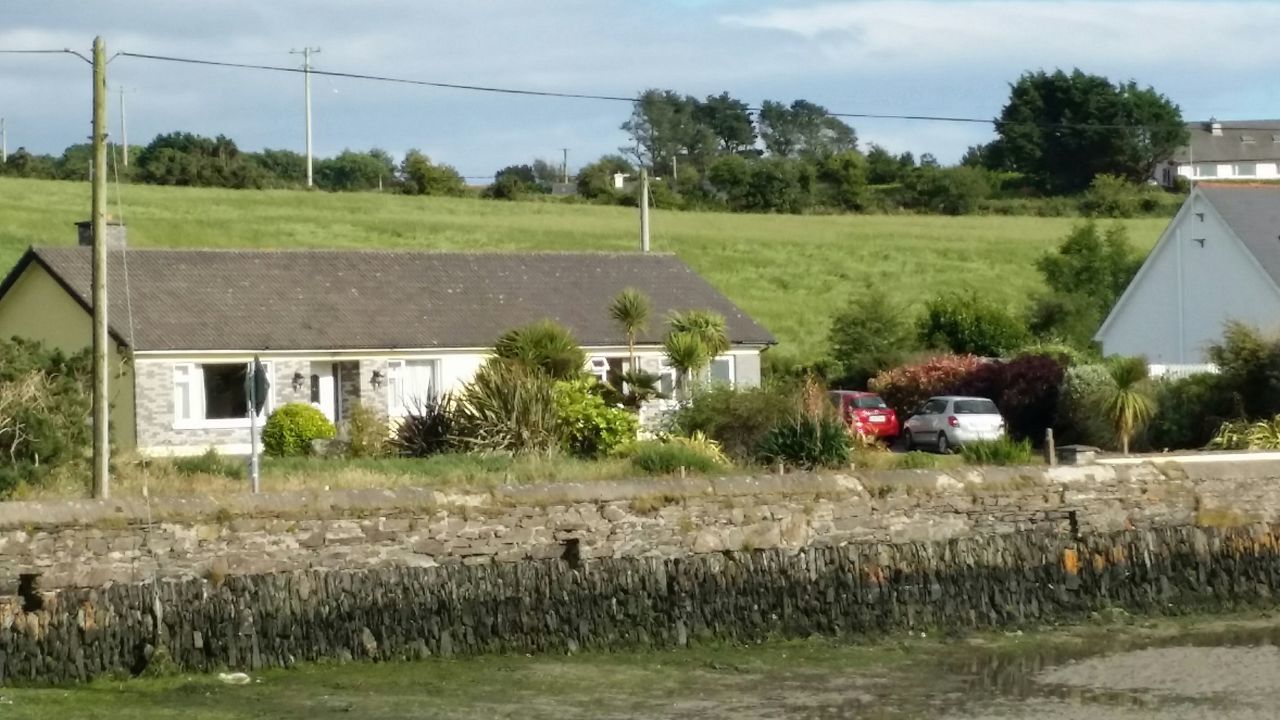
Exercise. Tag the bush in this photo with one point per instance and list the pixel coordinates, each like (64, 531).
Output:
(210, 463)
(906, 388)
(872, 333)
(964, 323)
(1025, 389)
(508, 408)
(291, 428)
(666, 458)
(806, 442)
(544, 346)
(367, 432)
(736, 418)
(1244, 435)
(44, 401)
(1079, 419)
(1249, 363)
(1190, 411)
(428, 428)
(589, 427)
(1004, 451)
(951, 191)
(1111, 196)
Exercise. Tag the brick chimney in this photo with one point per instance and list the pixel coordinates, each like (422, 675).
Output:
(115, 233)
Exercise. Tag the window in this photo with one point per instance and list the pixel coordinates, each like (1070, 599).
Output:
(409, 384)
(1207, 170)
(213, 394)
(869, 402)
(722, 370)
(1247, 139)
(598, 368)
(976, 407)
(666, 378)
(1166, 176)
(933, 407)
(1246, 169)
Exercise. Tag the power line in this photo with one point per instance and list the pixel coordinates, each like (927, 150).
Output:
(66, 51)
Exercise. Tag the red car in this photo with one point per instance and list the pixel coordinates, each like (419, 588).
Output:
(867, 413)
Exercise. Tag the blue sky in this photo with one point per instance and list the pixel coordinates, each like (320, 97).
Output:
(943, 57)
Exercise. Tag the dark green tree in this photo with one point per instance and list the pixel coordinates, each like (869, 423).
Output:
(730, 122)
(595, 180)
(666, 126)
(803, 129)
(1085, 275)
(420, 176)
(352, 170)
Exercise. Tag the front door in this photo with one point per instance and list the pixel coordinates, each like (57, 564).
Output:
(324, 389)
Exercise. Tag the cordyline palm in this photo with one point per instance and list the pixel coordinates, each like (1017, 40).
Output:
(708, 325)
(545, 346)
(1127, 402)
(630, 309)
(688, 355)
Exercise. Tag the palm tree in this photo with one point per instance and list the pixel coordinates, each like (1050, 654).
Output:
(631, 310)
(708, 325)
(688, 355)
(546, 346)
(1127, 403)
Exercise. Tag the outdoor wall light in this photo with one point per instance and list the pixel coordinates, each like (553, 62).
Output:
(298, 382)
(376, 379)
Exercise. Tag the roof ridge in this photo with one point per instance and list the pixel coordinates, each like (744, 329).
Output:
(371, 251)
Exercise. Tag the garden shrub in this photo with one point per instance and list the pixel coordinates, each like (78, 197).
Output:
(427, 429)
(367, 432)
(1189, 411)
(291, 428)
(508, 407)
(544, 346)
(657, 457)
(1249, 364)
(967, 324)
(589, 427)
(806, 442)
(44, 403)
(906, 388)
(1079, 419)
(1112, 197)
(872, 333)
(1245, 435)
(737, 418)
(209, 463)
(1005, 451)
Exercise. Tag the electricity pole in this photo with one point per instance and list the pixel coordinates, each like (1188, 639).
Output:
(306, 79)
(4, 143)
(644, 210)
(124, 132)
(564, 166)
(101, 440)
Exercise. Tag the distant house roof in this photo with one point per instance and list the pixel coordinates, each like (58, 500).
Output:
(1246, 140)
(1253, 214)
(346, 300)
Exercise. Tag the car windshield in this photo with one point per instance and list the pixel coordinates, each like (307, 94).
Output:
(869, 402)
(976, 407)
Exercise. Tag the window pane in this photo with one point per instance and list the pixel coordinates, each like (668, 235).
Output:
(869, 402)
(1247, 169)
(722, 370)
(315, 388)
(976, 407)
(224, 391)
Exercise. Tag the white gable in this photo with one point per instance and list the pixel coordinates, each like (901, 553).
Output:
(1198, 277)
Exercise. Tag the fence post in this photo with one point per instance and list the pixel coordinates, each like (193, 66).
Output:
(1050, 451)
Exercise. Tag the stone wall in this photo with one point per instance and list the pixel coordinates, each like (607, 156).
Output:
(256, 581)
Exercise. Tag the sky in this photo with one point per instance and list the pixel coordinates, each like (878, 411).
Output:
(906, 57)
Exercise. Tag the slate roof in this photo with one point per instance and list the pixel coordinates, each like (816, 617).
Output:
(347, 300)
(1230, 145)
(1253, 214)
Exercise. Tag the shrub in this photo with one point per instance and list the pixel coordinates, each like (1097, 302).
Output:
(872, 333)
(737, 418)
(906, 388)
(1127, 401)
(1025, 389)
(1244, 435)
(1189, 411)
(952, 191)
(1004, 451)
(1079, 418)
(291, 428)
(964, 323)
(545, 346)
(665, 458)
(1111, 196)
(209, 463)
(1249, 363)
(367, 432)
(806, 442)
(428, 428)
(589, 427)
(508, 407)
(44, 400)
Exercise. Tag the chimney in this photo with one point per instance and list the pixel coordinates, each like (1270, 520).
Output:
(115, 233)
(1215, 127)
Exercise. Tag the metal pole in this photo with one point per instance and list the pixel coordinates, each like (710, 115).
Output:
(124, 131)
(564, 167)
(644, 210)
(675, 175)
(306, 79)
(253, 428)
(4, 143)
(101, 439)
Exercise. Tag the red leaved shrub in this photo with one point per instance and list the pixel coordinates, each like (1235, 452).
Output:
(906, 388)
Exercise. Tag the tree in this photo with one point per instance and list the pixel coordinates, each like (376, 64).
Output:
(688, 356)
(76, 161)
(730, 122)
(419, 176)
(282, 167)
(514, 181)
(883, 167)
(842, 180)
(1127, 401)
(351, 170)
(193, 160)
(953, 191)
(803, 129)
(546, 347)
(964, 323)
(630, 309)
(1061, 130)
(595, 180)
(22, 163)
(546, 172)
(665, 125)
(1086, 275)
(707, 325)
(870, 334)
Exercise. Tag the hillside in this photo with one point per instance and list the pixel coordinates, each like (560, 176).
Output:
(790, 272)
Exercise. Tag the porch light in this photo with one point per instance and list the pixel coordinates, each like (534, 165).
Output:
(298, 382)
(376, 379)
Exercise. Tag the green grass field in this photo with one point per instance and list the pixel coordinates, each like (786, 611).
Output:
(789, 272)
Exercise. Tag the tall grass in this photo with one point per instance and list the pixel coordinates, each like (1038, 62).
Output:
(784, 270)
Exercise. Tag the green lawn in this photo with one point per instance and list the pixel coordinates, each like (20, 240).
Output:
(789, 272)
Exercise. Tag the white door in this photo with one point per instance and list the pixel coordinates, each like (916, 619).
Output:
(324, 389)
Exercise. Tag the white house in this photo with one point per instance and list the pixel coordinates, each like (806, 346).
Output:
(1217, 261)
(1225, 150)
(336, 328)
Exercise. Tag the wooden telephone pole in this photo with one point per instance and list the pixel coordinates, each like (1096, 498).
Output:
(101, 439)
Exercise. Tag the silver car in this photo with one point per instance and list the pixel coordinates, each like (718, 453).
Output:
(951, 421)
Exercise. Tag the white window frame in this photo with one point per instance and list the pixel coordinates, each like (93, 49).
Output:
(1235, 169)
(188, 378)
(397, 404)
(733, 369)
(1201, 168)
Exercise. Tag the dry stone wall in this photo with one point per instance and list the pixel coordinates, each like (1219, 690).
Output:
(257, 581)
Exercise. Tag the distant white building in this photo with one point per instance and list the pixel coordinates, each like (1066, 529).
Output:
(1225, 150)
(1217, 261)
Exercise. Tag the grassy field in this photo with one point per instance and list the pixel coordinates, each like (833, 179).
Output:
(789, 272)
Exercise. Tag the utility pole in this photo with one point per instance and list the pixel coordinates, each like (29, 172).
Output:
(124, 132)
(306, 79)
(674, 173)
(644, 210)
(101, 440)
(4, 143)
(564, 167)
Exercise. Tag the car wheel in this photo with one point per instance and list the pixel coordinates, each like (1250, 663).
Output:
(908, 442)
(944, 445)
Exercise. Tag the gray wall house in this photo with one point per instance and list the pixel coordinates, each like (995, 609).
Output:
(337, 328)
(1225, 150)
